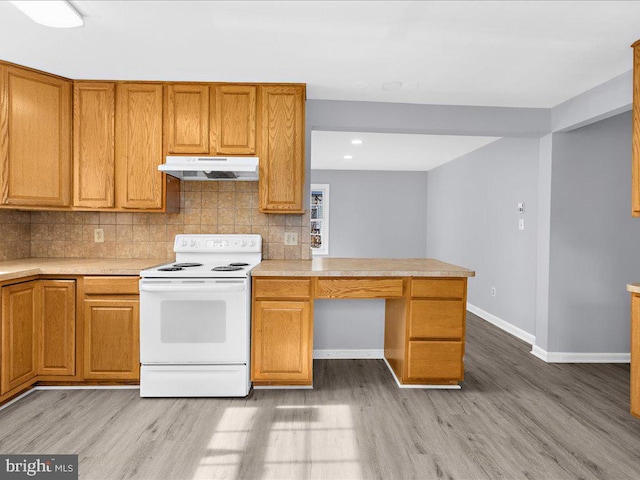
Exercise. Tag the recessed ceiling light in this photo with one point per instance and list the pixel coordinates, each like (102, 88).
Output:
(50, 13)
(356, 141)
(392, 86)
(360, 84)
(348, 157)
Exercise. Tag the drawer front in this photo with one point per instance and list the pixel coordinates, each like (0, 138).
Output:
(435, 360)
(437, 319)
(359, 287)
(281, 288)
(104, 285)
(438, 287)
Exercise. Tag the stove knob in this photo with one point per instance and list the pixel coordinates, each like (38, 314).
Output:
(184, 243)
(243, 243)
(193, 243)
(252, 243)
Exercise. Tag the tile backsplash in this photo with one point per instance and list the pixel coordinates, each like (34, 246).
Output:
(14, 234)
(206, 207)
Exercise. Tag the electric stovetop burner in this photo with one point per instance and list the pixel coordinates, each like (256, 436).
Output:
(170, 269)
(226, 268)
(186, 264)
(238, 264)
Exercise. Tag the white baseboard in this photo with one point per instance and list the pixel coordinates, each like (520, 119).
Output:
(549, 357)
(424, 387)
(349, 354)
(87, 387)
(576, 357)
(502, 324)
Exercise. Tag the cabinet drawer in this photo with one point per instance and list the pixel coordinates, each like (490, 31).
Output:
(435, 360)
(369, 287)
(438, 287)
(281, 288)
(436, 319)
(111, 285)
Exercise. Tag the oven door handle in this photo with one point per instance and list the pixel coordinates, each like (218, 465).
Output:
(193, 288)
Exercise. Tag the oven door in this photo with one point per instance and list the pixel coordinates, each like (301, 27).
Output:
(199, 321)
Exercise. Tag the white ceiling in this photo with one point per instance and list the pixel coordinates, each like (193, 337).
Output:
(502, 53)
(389, 151)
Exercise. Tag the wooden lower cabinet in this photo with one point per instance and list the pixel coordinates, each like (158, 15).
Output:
(20, 311)
(282, 343)
(111, 338)
(424, 326)
(635, 355)
(57, 328)
(434, 360)
(424, 332)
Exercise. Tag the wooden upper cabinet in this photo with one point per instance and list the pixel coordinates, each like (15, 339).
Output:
(187, 119)
(20, 312)
(635, 145)
(235, 114)
(93, 144)
(139, 183)
(282, 149)
(35, 138)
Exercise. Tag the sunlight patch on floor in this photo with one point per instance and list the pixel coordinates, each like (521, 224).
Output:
(312, 441)
(227, 445)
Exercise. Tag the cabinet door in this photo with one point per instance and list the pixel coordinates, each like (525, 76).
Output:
(138, 146)
(19, 327)
(187, 118)
(282, 343)
(282, 149)
(235, 119)
(635, 355)
(111, 339)
(35, 138)
(57, 352)
(93, 144)
(434, 362)
(635, 135)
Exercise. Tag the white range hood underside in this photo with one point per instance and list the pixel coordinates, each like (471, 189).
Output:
(211, 168)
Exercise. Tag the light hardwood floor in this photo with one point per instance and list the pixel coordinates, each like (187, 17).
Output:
(515, 418)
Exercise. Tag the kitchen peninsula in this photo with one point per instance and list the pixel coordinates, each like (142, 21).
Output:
(424, 316)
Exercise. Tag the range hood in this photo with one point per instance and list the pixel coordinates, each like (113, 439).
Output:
(211, 168)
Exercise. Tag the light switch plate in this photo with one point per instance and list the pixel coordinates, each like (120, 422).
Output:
(290, 238)
(98, 235)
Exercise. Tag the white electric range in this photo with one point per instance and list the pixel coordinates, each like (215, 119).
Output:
(195, 316)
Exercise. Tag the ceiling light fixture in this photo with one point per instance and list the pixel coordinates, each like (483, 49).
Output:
(356, 141)
(50, 13)
(348, 157)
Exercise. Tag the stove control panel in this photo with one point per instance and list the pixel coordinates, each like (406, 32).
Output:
(218, 243)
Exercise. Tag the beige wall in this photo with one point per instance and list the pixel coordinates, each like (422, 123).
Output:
(14, 234)
(206, 207)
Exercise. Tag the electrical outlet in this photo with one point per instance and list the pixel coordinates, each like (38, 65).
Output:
(521, 224)
(493, 291)
(98, 235)
(290, 238)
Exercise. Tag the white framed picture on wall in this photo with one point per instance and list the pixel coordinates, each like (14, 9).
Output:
(319, 206)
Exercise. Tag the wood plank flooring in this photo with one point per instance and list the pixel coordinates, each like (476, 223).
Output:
(515, 418)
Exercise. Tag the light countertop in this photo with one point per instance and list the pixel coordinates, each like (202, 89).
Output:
(633, 287)
(360, 267)
(13, 269)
